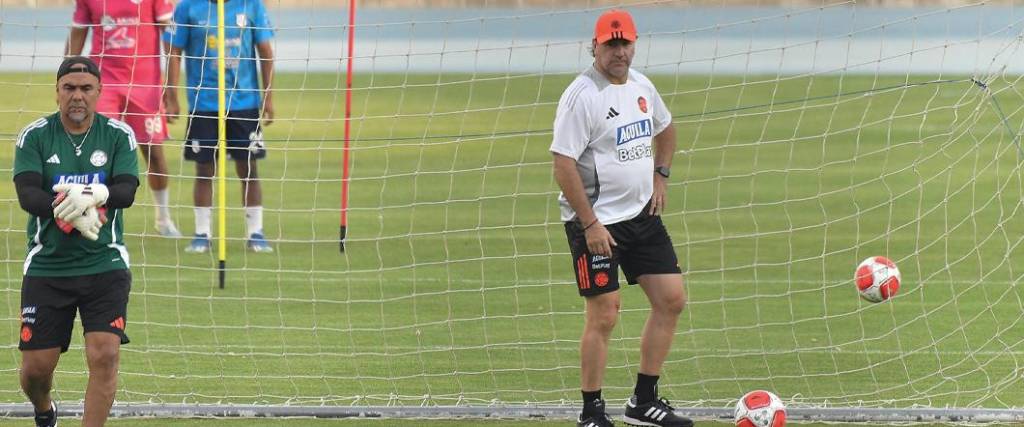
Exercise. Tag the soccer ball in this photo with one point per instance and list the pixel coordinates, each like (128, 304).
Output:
(878, 279)
(760, 408)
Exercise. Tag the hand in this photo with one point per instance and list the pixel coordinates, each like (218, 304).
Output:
(89, 224)
(68, 227)
(599, 240)
(268, 111)
(77, 198)
(171, 108)
(658, 197)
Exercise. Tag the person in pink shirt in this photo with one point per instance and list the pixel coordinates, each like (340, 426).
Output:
(126, 46)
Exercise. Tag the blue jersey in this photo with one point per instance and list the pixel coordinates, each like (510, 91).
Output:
(246, 24)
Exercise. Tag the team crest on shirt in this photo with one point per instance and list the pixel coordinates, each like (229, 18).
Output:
(240, 20)
(98, 158)
(642, 103)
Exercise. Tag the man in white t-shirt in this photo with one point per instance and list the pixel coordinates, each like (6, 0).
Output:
(613, 144)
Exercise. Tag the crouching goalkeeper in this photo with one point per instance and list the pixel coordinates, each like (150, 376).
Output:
(74, 171)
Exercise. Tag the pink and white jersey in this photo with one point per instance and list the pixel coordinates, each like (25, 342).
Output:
(125, 38)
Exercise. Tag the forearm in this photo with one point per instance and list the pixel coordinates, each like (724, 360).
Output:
(266, 59)
(173, 69)
(267, 77)
(31, 195)
(665, 146)
(122, 191)
(76, 41)
(568, 178)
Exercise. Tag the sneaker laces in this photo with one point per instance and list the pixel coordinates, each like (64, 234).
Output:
(665, 403)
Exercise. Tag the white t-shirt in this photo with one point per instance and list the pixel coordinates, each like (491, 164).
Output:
(609, 129)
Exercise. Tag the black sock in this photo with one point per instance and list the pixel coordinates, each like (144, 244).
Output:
(646, 388)
(592, 403)
(46, 416)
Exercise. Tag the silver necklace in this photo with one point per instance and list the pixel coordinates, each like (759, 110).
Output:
(78, 147)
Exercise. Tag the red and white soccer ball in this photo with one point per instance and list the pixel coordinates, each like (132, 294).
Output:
(877, 278)
(760, 408)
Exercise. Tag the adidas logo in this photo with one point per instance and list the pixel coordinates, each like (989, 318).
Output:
(53, 159)
(611, 113)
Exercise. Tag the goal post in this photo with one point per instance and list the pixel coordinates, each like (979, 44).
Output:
(810, 137)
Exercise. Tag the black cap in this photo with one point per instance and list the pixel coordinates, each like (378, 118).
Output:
(77, 64)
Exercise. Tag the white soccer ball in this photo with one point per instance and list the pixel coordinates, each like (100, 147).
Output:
(760, 408)
(877, 279)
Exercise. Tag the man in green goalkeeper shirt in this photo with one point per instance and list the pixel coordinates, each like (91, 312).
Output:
(74, 172)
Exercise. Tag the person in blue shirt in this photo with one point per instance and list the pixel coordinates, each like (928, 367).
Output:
(249, 72)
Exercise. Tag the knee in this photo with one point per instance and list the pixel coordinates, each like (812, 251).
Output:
(602, 318)
(674, 305)
(36, 373)
(103, 357)
(204, 171)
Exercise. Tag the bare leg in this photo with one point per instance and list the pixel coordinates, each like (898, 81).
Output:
(156, 175)
(602, 312)
(667, 295)
(202, 193)
(102, 351)
(37, 368)
(252, 193)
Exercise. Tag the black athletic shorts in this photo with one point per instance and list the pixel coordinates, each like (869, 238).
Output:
(243, 133)
(644, 247)
(48, 306)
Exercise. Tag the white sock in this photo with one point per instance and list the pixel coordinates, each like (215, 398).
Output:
(203, 219)
(253, 220)
(163, 213)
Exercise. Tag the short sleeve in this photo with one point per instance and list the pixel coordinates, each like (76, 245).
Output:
(27, 154)
(163, 10)
(180, 26)
(659, 112)
(262, 29)
(126, 161)
(82, 16)
(571, 133)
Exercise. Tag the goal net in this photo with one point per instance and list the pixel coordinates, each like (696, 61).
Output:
(810, 137)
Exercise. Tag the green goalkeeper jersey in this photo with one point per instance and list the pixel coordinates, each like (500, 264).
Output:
(105, 151)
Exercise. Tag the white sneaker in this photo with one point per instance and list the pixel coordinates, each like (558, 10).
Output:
(167, 229)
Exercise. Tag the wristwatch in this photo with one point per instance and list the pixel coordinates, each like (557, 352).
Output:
(662, 170)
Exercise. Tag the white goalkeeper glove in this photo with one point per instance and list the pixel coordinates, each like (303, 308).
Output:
(78, 198)
(89, 223)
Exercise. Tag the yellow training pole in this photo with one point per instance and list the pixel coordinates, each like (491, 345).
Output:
(222, 248)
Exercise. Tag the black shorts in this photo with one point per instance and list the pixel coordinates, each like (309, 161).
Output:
(48, 307)
(243, 133)
(644, 247)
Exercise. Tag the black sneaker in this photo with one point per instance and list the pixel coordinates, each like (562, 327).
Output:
(657, 413)
(48, 418)
(595, 421)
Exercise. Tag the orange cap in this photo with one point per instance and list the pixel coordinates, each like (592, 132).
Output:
(614, 24)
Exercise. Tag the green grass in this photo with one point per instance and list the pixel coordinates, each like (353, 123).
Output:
(456, 285)
(349, 423)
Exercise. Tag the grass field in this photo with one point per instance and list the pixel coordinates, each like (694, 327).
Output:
(456, 286)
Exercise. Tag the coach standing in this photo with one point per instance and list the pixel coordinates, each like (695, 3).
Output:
(76, 259)
(613, 144)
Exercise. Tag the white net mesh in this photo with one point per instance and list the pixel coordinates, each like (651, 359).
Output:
(809, 138)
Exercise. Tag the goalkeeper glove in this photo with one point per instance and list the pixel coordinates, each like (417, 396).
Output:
(89, 223)
(77, 199)
(67, 226)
